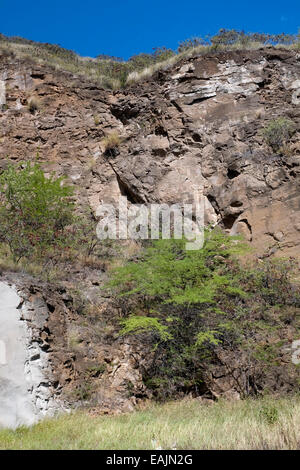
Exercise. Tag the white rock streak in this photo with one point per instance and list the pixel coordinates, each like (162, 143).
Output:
(2, 93)
(15, 403)
(25, 391)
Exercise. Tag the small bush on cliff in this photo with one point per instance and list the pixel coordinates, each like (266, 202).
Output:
(34, 104)
(34, 210)
(110, 143)
(278, 132)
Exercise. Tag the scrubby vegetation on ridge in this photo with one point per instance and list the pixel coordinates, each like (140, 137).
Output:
(113, 72)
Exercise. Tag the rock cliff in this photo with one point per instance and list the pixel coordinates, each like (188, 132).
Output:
(196, 126)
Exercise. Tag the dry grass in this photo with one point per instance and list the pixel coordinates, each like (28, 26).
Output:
(34, 268)
(137, 76)
(103, 72)
(189, 424)
(91, 261)
(74, 341)
(128, 249)
(34, 104)
(111, 141)
(149, 71)
(61, 60)
(96, 119)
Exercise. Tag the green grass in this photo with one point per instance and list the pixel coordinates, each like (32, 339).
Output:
(189, 424)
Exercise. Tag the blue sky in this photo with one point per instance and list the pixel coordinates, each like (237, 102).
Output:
(127, 27)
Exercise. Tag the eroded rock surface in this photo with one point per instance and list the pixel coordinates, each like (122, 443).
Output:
(197, 125)
(52, 359)
(26, 392)
(194, 127)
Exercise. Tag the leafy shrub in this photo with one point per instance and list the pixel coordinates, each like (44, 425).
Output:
(186, 305)
(278, 132)
(175, 287)
(175, 275)
(269, 414)
(135, 324)
(34, 210)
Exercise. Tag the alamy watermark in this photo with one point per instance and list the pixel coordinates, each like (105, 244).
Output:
(153, 221)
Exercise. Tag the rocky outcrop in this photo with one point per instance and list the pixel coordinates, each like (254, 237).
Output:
(201, 125)
(195, 126)
(26, 389)
(53, 359)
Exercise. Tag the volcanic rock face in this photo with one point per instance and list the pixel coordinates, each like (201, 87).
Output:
(195, 127)
(16, 406)
(51, 360)
(25, 373)
(202, 127)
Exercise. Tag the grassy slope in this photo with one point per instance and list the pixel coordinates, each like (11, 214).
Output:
(250, 424)
(106, 72)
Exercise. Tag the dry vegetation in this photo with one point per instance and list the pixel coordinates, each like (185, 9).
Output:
(34, 104)
(113, 72)
(190, 424)
(111, 141)
(61, 59)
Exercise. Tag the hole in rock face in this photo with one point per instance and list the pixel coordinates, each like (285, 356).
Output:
(236, 204)
(229, 220)
(196, 137)
(213, 201)
(124, 112)
(160, 130)
(232, 173)
(51, 308)
(112, 152)
(38, 75)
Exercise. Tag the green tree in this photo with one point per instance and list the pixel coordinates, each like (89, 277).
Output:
(172, 296)
(34, 210)
(172, 274)
(188, 307)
